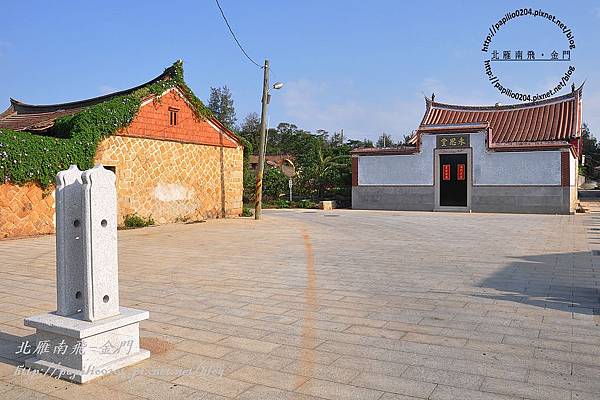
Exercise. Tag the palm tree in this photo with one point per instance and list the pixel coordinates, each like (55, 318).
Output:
(326, 164)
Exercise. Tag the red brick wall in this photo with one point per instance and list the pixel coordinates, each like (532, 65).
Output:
(564, 169)
(153, 122)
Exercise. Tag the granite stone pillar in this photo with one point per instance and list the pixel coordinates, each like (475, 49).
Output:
(89, 335)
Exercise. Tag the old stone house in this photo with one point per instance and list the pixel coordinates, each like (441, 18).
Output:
(171, 162)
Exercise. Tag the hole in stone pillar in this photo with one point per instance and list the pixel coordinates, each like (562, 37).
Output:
(76, 223)
(103, 223)
(105, 298)
(78, 295)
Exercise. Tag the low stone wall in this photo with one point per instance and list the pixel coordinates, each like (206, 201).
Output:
(409, 198)
(26, 210)
(524, 199)
(499, 199)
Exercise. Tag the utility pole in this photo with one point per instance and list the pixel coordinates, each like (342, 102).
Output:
(262, 145)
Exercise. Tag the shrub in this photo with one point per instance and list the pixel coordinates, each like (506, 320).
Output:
(275, 184)
(280, 204)
(247, 212)
(136, 221)
(305, 203)
(249, 185)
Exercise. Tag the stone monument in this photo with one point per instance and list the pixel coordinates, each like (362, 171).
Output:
(89, 335)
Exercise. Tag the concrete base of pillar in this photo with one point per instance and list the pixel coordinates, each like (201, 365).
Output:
(80, 351)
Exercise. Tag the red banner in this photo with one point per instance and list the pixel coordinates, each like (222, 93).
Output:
(446, 172)
(460, 172)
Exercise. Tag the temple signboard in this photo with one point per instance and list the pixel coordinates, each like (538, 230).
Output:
(452, 141)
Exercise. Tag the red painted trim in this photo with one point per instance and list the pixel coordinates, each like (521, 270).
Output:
(354, 171)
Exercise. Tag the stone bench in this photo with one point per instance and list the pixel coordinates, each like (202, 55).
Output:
(327, 205)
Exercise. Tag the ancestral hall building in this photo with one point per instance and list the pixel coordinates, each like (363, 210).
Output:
(505, 158)
(171, 163)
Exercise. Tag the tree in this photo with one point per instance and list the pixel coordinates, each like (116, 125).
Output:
(590, 144)
(355, 144)
(337, 139)
(221, 104)
(385, 140)
(250, 129)
(325, 169)
(288, 139)
(591, 151)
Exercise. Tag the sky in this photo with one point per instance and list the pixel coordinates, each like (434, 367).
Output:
(360, 66)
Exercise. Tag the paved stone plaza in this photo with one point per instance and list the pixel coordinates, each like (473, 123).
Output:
(338, 305)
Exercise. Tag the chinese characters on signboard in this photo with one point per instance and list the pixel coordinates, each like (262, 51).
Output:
(460, 172)
(452, 141)
(446, 172)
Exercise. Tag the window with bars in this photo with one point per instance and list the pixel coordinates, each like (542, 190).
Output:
(173, 116)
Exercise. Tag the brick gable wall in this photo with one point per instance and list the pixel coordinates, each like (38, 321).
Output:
(152, 121)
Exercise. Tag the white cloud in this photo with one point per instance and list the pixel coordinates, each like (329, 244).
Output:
(317, 105)
(310, 105)
(105, 89)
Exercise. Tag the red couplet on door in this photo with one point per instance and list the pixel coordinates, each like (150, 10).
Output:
(460, 172)
(446, 172)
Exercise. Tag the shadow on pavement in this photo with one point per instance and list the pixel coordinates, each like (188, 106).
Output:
(559, 281)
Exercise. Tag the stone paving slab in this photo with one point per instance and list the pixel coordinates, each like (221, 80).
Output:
(367, 305)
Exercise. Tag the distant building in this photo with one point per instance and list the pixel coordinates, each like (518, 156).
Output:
(170, 163)
(272, 160)
(515, 158)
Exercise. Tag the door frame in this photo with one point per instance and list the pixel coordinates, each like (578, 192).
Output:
(436, 178)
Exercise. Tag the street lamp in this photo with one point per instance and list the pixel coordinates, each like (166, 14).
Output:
(266, 97)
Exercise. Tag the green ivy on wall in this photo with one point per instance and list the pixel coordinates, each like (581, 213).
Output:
(27, 157)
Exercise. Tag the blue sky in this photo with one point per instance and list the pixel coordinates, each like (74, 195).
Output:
(357, 65)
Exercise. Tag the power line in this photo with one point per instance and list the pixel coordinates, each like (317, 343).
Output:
(235, 38)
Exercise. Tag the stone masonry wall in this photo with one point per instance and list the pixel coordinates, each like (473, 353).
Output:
(170, 181)
(173, 181)
(26, 210)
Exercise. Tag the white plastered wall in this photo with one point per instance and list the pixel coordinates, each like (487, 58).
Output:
(395, 170)
(519, 168)
(522, 168)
